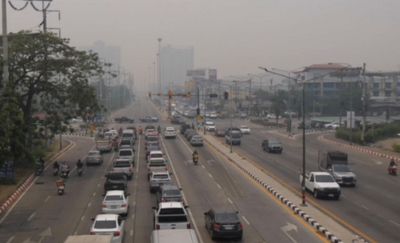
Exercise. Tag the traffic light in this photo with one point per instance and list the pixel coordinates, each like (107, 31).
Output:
(226, 95)
(213, 95)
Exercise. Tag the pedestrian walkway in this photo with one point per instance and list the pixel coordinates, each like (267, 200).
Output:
(331, 229)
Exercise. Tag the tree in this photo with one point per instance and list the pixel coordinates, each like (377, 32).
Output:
(46, 74)
(279, 103)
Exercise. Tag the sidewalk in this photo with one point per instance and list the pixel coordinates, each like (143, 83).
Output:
(323, 223)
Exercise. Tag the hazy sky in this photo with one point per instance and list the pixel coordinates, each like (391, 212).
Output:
(234, 36)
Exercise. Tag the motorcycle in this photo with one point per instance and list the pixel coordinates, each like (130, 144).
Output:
(195, 160)
(39, 171)
(64, 174)
(55, 171)
(392, 170)
(80, 171)
(60, 187)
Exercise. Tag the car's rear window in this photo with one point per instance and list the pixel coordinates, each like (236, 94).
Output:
(172, 193)
(152, 138)
(122, 164)
(93, 154)
(160, 176)
(226, 218)
(172, 219)
(114, 198)
(116, 176)
(170, 211)
(125, 153)
(157, 155)
(125, 142)
(105, 224)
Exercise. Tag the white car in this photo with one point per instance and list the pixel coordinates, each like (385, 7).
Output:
(210, 126)
(115, 202)
(244, 129)
(171, 215)
(332, 125)
(169, 132)
(158, 178)
(155, 154)
(109, 224)
(126, 153)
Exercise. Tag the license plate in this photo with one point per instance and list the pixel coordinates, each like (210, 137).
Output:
(331, 194)
(228, 227)
(114, 206)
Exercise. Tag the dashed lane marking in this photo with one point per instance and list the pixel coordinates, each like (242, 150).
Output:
(230, 201)
(364, 207)
(94, 194)
(131, 232)
(83, 217)
(47, 199)
(209, 174)
(11, 239)
(219, 186)
(395, 223)
(203, 166)
(245, 220)
(89, 204)
(31, 216)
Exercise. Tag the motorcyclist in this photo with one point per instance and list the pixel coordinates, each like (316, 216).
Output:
(392, 163)
(159, 129)
(195, 157)
(65, 168)
(79, 164)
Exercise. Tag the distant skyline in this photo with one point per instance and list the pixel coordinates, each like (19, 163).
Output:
(233, 36)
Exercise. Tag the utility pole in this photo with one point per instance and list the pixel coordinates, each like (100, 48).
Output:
(5, 45)
(364, 103)
(159, 65)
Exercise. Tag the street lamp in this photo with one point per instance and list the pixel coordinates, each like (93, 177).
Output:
(303, 105)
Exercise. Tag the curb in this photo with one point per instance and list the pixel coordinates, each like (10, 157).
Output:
(25, 185)
(321, 229)
(361, 149)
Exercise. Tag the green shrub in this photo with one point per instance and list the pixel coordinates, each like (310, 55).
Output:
(396, 147)
(372, 134)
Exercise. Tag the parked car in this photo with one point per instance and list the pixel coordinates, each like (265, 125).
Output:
(116, 181)
(196, 140)
(169, 132)
(115, 202)
(223, 224)
(272, 146)
(94, 157)
(123, 165)
(109, 224)
(169, 193)
(158, 178)
(171, 215)
(244, 129)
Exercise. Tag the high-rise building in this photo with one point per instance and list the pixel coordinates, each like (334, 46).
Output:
(107, 53)
(174, 64)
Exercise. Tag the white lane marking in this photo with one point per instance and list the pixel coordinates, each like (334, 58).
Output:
(219, 186)
(364, 207)
(98, 184)
(395, 223)
(245, 220)
(131, 232)
(209, 174)
(378, 162)
(137, 158)
(83, 217)
(203, 166)
(89, 204)
(183, 194)
(230, 201)
(94, 194)
(76, 232)
(11, 239)
(47, 199)
(133, 217)
(31, 216)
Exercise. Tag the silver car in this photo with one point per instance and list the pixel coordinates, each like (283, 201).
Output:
(109, 224)
(115, 202)
(94, 157)
(196, 140)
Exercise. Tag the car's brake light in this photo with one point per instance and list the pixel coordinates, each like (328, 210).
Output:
(217, 227)
(117, 233)
(157, 226)
(123, 205)
(104, 205)
(240, 226)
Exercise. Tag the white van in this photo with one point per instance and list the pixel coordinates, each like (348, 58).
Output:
(174, 236)
(128, 133)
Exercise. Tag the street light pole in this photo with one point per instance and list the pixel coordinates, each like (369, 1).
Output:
(5, 45)
(159, 65)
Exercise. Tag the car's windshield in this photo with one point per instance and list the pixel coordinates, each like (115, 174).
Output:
(122, 164)
(114, 198)
(226, 218)
(93, 153)
(235, 135)
(324, 178)
(341, 168)
(160, 177)
(172, 193)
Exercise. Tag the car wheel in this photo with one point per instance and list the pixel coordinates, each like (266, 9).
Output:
(316, 195)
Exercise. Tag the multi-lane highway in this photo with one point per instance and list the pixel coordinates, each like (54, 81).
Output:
(43, 216)
(371, 209)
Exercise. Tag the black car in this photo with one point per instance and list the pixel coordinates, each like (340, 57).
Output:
(146, 119)
(124, 119)
(169, 193)
(116, 181)
(272, 146)
(184, 127)
(223, 224)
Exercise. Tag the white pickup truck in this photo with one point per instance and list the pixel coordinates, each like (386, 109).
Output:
(321, 184)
